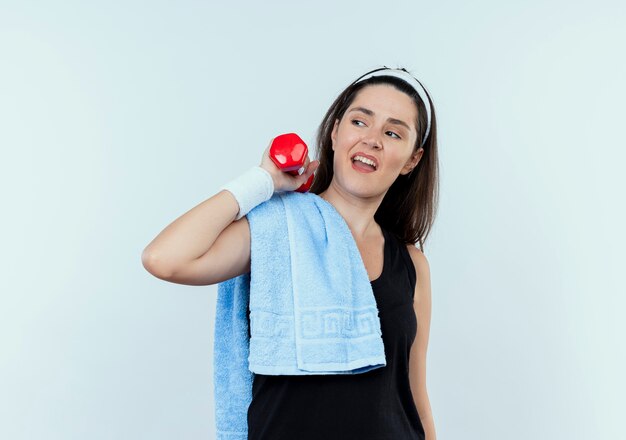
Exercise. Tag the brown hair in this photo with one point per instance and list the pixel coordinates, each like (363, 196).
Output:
(409, 207)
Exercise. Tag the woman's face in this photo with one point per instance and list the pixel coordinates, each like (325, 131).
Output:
(368, 127)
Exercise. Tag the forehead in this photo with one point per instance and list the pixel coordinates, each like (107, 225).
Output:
(387, 102)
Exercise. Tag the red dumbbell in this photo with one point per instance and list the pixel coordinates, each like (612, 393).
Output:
(289, 153)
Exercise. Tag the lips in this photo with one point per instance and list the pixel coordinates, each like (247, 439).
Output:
(360, 167)
(368, 156)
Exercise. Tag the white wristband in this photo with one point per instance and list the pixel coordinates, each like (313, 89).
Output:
(250, 189)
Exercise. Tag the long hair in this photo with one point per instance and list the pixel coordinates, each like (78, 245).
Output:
(409, 207)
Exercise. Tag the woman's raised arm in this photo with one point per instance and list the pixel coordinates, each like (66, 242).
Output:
(204, 246)
(208, 244)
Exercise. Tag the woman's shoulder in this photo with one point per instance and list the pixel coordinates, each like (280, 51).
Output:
(422, 272)
(417, 256)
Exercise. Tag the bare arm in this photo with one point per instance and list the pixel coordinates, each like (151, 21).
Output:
(417, 356)
(206, 245)
(203, 246)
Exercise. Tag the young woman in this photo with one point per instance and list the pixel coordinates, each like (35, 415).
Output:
(378, 166)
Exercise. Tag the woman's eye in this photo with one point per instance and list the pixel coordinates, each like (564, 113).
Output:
(397, 136)
(356, 120)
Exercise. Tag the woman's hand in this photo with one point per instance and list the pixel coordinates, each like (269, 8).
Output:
(283, 181)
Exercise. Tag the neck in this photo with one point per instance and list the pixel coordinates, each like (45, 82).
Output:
(358, 212)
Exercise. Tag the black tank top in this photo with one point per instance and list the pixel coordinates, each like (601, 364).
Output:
(375, 405)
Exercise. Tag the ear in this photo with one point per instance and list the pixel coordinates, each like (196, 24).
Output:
(333, 134)
(412, 162)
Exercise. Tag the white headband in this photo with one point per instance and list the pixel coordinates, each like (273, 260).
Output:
(398, 73)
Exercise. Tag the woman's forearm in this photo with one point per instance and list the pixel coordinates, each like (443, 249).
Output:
(192, 234)
(428, 423)
(426, 415)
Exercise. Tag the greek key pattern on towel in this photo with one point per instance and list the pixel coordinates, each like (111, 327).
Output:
(337, 323)
(271, 325)
(315, 324)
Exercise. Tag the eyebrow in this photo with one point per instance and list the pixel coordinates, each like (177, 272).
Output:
(371, 113)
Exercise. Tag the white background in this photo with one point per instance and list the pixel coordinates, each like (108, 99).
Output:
(117, 117)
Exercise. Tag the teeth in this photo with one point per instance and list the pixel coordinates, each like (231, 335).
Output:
(365, 160)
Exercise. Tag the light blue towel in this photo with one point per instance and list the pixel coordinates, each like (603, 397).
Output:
(312, 307)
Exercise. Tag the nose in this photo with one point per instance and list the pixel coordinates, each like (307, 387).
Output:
(373, 142)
